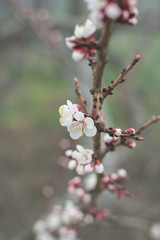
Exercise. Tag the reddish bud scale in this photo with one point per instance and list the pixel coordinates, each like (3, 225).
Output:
(130, 131)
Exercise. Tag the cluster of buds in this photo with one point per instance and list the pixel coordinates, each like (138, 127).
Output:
(103, 10)
(75, 187)
(111, 182)
(72, 117)
(61, 223)
(101, 214)
(81, 161)
(82, 42)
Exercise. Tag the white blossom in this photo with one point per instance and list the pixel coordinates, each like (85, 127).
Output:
(82, 125)
(81, 155)
(66, 113)
(85, 30)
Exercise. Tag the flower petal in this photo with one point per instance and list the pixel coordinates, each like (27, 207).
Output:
(76, 155)
(90, 132)
(75, 130)
(89, 122)
(79, 116)
(69, 103)
(80, 148)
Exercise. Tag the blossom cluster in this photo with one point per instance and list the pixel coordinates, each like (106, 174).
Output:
(61, 223)
(76, 188)
(82, 40)
(103, 10)
(81, 161)
(72, 117)
(110, 182)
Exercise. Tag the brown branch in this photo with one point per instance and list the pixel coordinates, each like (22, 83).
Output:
(98, 72)
(102, 54)
(120, 79)
(152, 120)
(83, 102)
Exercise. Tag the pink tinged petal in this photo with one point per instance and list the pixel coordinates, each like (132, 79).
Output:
(89, 122)
(80, 148)
(90, 132)
(79, 116)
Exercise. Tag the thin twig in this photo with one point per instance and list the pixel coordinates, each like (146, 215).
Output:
(152, 120)
(83, 102)
(120, 79)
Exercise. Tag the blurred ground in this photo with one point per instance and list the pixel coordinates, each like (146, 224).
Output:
(34, 83)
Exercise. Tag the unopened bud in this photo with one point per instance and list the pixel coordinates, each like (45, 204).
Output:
(117, 131)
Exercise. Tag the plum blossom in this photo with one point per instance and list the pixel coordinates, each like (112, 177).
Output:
(81, 33)
(82, 156)
(85, 30)
(82, 125)
(66, 113)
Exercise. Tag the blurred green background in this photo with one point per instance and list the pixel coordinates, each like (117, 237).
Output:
(36, 77)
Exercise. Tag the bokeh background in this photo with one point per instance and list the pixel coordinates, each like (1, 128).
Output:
(36, 77)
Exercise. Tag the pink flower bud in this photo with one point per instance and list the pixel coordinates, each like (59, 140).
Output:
(86, 198)
(71, 189)
(72, 164)
(111, 187)
(113, 11)
(88, 219)
(138, 57)
(107, 139)
(130, 131)
(105, 181)
(68, 153)
(133, 21)
(117, 131)
(99, 168)
(125, 15)
(114, 176)
(122, 173)
(130, 144)
(121, 194)
(80, 192)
